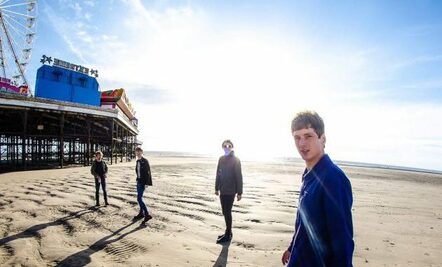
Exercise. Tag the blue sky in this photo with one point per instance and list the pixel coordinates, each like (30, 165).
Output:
(201, 71)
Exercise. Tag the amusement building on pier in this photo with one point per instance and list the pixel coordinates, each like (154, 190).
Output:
(66, 121)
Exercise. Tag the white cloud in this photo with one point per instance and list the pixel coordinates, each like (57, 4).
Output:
(87, 16)
(416, 60)
(71, 4)
(63, 28)
(89, 3)
(395, 134)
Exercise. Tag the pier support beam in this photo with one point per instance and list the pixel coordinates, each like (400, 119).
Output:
(61, 144)
(24, 137)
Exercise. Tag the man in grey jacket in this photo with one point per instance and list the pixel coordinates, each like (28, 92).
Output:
(228, 184)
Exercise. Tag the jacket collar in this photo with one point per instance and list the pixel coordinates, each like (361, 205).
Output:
(319, 167)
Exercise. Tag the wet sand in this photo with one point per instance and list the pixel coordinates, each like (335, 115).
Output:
(47, 217)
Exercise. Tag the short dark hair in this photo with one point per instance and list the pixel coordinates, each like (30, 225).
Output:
(225, 142)
(138, 148)
(308, 119)
(98, 153)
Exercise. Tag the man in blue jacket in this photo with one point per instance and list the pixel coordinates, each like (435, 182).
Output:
(323, 228)
(144, 179)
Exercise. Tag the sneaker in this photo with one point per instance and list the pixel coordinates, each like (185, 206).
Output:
(221, 236)
(225, 238)
(106, 204)
(147, 218)
(139, 216)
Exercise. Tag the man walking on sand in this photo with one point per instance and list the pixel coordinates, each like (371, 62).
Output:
(228, 184)
(144, 179)
(323, 229)
(99, 171)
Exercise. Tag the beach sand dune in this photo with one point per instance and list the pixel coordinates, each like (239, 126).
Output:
(47, 217)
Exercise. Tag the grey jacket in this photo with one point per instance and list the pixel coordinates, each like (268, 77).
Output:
(229, 175)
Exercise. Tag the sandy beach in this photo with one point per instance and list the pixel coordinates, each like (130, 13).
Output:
(47, 217)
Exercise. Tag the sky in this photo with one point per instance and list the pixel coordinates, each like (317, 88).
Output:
(199, 72)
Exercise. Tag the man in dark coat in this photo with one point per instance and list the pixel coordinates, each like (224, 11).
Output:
(99, 171)
(144, 179)
(228, 184)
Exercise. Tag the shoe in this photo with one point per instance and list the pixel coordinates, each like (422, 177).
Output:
(106, 204)
(224, 238)
(146, 218)
(139, 216)
(97, 204)
(221, 236)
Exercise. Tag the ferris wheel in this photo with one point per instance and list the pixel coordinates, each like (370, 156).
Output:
(17, 24)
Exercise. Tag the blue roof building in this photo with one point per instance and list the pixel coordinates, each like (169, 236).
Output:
(64, 84)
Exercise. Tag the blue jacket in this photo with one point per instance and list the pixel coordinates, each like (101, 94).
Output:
(323, 228)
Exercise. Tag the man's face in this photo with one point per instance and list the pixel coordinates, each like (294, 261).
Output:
(227, 148)
(310, 146)
(98, 157)
(138, 153)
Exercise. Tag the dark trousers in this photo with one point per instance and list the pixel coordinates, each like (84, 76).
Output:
(102, 181)
(226, 205)
(140, 192)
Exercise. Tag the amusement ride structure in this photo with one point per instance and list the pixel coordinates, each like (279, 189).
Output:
(17, 35)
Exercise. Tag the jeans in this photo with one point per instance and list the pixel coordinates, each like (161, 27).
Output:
(140, 191)
(102, 181)
(226, 205)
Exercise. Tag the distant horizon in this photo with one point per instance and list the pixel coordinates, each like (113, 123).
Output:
(338, 161)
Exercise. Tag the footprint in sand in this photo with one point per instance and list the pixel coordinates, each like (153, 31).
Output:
(245, 245)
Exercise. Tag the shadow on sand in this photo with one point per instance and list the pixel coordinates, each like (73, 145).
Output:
(223, 255)
(34, 230)
(83, 257)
